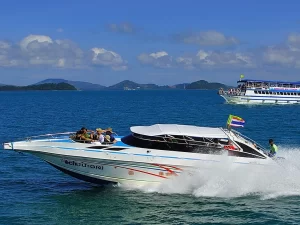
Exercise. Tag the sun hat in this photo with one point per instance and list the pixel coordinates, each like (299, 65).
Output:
(100, 130)
(107, 137)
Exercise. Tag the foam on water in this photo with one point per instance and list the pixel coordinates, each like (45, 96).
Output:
(232, 180)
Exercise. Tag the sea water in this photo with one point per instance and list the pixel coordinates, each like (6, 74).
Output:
(32, 192)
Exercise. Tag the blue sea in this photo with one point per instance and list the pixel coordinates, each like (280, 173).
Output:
(32, 192)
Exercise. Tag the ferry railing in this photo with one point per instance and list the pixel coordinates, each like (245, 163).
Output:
(231, 93)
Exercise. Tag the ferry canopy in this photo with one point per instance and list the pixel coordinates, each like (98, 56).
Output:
(175, 129)
(269, 81)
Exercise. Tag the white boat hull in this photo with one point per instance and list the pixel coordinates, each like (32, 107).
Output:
(131, 165)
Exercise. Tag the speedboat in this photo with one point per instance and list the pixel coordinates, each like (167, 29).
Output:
(251, 91)
(149, 154)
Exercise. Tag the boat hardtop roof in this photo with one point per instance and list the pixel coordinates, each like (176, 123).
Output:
(269, 81)
(175, 129)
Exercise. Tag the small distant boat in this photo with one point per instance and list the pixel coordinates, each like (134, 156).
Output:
(251, 91)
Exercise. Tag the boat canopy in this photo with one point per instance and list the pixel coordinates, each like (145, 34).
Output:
(268, 81)
(175, 129)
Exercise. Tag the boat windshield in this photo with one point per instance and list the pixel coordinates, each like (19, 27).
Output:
(248, 140)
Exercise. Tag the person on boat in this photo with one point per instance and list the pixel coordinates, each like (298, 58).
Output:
(99, 135)
(107, 139)
(109, 132)
(273, 149)
(229, 146)
(83, 135)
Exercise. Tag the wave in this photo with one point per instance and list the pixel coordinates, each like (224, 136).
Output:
(228, 180)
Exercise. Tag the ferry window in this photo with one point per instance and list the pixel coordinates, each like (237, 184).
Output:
(284, 93)
(256, 92)
(259, 92)
(281, 93)
(289, 93)
(298, 93)
(263, 92)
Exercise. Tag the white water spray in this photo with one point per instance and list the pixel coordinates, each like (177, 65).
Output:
(232, 180)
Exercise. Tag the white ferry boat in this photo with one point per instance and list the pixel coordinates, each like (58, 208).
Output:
(263, 92)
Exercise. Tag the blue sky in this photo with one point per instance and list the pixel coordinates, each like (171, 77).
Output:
(163, 42)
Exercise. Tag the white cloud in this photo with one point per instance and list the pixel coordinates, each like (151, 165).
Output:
(43, 51)
(215, 59)
(4, 45)
(157, 59)
(103, 57)
(206, 38)
(294, 41)
(34, 39)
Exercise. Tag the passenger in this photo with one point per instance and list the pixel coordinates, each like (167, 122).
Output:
(84, 136)
(99, 135)
(109, 132)
(79, 133)
(229, 145)
(107, 139)
(273, 149)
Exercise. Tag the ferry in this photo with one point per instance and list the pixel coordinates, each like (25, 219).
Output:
(251, 91)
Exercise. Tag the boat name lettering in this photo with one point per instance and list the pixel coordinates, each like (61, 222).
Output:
(82, 164)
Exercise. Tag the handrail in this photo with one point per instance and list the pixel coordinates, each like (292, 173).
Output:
(40, 136)
(261, 148)
(225, 132)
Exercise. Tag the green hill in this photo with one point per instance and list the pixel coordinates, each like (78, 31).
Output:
(80, 85)
(202, 84)
(39, 87)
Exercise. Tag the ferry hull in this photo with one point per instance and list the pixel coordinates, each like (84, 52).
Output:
(244, 99)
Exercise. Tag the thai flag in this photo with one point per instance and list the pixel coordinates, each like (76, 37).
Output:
(235, 121)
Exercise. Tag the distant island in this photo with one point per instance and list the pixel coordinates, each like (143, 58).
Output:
(39, 87)
(62, 84)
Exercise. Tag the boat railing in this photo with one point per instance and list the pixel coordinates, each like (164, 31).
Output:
(45, 136)
(247, 139)
(185, 140)
(232, 92)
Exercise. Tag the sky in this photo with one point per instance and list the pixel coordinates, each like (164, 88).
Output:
(163, 42)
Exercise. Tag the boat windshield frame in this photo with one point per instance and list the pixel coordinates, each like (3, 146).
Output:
(185, 140)
(240, 135)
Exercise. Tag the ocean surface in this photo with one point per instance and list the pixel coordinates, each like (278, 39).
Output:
(32, 192)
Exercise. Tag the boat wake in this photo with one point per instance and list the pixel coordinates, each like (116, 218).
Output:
(229, 180)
